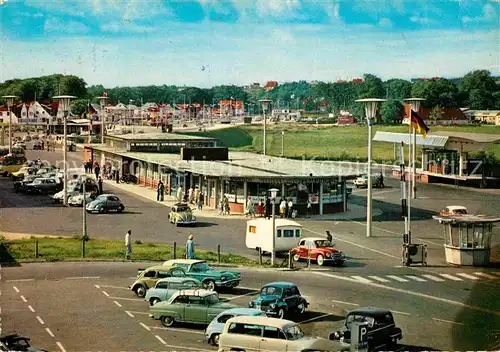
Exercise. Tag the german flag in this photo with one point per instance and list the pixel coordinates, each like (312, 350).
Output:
(418, 124)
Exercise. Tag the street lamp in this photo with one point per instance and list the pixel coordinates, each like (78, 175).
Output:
(282, 143)
(414, 106)
(265, 105)
(371, 105)
(9, 99)
(84, 205)
(64, 104)
(102, 103)
(274, 193)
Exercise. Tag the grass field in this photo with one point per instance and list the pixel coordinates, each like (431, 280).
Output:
(326, 141)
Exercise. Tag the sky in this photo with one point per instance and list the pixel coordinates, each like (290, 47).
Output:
(211, 42)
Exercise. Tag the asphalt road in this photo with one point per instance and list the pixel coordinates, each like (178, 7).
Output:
(86, 307)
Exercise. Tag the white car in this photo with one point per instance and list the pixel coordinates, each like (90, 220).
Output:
(362, 181)
(451, 210)
(77, 200)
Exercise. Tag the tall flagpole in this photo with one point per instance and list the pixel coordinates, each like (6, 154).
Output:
(408, 198)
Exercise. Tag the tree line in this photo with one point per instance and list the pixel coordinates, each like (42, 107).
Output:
(476, 90)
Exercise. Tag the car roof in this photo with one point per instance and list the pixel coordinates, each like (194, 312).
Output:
(159, 267)
(281, 284)
(177, 279)
(313, 238)
(183, 261)
(108, 195)
(242, 311)
(198, 292)
(456, 207)
(370, 311)
(278, 222)
(261, 320)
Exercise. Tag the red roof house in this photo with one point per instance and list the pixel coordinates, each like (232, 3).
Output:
(270, 85)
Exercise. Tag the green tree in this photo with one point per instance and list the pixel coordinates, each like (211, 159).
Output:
(398, 89)
(79, 106)
(372, 87)
(391, 111)
(73, 85)
(437, 92)
(478, 89)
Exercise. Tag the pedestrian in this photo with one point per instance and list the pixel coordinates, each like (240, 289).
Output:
(309, 206)
(191, 195)
(282, 208)
(180, 194)
(201, 199)
(226, 205)
(290, 208)
(221, 206)
(160, 191)
(267, 208)
(329, 237)
(99, 182)
(117, 176)
(381, 180)
(97, 170)
(128, 243)
(190, 247)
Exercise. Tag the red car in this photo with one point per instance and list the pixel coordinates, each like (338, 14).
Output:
(319, 250)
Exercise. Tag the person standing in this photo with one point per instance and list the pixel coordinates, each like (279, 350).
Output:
(128, 243)
(190, 247)
(329, 237)
(99, 182)
(290, 208)
(267, 208)
(160, 191)
(97, 170)
(201, 199)
(309, 207)
(282, 208)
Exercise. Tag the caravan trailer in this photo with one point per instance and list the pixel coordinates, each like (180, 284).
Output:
(259, 234)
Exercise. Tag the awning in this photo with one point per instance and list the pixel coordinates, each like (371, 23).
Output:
(433, 141)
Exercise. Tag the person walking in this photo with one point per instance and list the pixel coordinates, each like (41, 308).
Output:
(267, 208)
(201, 199)
(190, 247)
(99, 182)
(97, 171)
(290, 208)
(160, 191)
(128, 243)
(381, 180)
(309, 207)
(226, 205)
(329, 237)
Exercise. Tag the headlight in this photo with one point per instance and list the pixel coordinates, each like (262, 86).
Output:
(251, 304)
(272, 305)
(223, 278)
(328, 255)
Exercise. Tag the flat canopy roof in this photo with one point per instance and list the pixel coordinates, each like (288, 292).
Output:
(466, 219)
(247, 165)
(439, 139)
(148, 137)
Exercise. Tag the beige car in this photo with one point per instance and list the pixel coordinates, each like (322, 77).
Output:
(258, 333)
(147, 278)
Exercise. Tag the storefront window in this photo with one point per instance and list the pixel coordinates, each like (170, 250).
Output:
(455, 233)
(478, 235)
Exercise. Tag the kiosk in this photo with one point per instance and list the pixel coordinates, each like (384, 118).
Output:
(467, 238)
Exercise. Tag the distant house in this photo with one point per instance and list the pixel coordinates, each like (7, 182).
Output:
(4, 115)
(35, 113)
(449, 116)
(485, 116)
(357, 81)
(323, 105)
(270, 85)
(345, 118)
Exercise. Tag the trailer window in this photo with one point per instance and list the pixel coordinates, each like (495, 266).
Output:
(252, 229)
(279, 233)
(297, 233)
(288, 233)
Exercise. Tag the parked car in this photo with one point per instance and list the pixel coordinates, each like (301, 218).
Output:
(17, 343)
(255, 333)
(10, 165)
(105, 203)
(319, 250)
(210, 278)
(181, 215)
(280, 299)
(37, 145)
(75, 187)
(43, 185)
(452, 210)
(165, 288)
(189, 306)
(19, 186)
(382, 330)
(147, 278)
(362, 181)
(77, 200)
(216, 326)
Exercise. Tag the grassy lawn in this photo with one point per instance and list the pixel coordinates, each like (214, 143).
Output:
(54, 249)
(328, 142)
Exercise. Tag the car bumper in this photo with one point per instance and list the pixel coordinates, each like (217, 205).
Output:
(228, 283)
(185, 223)
(334, 260)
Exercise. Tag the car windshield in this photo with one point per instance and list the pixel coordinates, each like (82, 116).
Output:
(460, 211)
(212, 299)
(200, 267)
(102, 198)
(181, 209)
(359, 319)
(323, 243)
(271, 291)
(293, 332)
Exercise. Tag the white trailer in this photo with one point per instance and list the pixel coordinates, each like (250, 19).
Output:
(259, 234)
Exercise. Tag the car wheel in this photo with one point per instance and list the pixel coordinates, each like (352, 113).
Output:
(320, 260)
(153, 301)
(301, 308)
(140, 291)
(296, 257)
(167, 321)
(281, 313)
(215, 339)
(209, 285)
(121, 208)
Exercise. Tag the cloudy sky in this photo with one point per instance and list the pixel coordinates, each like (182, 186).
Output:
(210, 42)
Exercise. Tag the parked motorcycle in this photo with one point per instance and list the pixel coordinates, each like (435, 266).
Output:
(129, 178)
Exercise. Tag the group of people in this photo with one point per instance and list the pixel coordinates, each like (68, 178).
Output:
(189, 250)
(263, 208)
(108, 171)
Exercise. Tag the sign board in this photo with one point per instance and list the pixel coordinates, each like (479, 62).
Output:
(359, 336)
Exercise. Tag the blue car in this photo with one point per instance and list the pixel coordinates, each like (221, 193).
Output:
(216, 327)
(278, 299)
(165, 288)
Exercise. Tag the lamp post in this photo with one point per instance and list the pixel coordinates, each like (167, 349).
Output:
(282, 143)
(9, 99)
(265, 105)
(102, 103)
(414, 106)
(371, 105)
(84, 206)
(274, 193)
(64, 103)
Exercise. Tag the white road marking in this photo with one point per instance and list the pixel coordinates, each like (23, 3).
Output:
(119, 287)
(447, 321)
(49, 332)
(16, 289)
(467, 276)
(145, 326)
(491, 277)
(20, 280)
(239, 296)
(415, 278)
(178, 330)
(127, 298)
(40, 320)
(380, 279)
(398, 312)
(31, 308)
(105, 293)
(451, 277)
(97, 286)
(397, 278)
(348, 303)
(160, 339)
(129, 314)
(360, 278)
(175, 347)
(315, 318)
(61, 347)
(118, 304)
(82, 277)
(24, 299)
(433, 278)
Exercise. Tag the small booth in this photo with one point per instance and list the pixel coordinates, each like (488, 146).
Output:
(467, 238)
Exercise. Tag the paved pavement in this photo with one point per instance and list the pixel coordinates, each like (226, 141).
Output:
(104, 315)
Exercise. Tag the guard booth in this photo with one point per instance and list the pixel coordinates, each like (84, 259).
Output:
(468, 238)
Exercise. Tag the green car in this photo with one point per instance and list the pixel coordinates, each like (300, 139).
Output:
(189, 306)
(200, 270)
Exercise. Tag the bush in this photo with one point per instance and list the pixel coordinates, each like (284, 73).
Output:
(138, 242)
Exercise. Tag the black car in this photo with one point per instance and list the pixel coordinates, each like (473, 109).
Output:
(278, 299)
(20, 186)
(44, 186)
(16, 343)
(382, 331)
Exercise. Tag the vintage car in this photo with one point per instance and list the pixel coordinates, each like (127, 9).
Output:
(362, 181)
(19, 186)
(77, 199)
(255, 333)
(382, 330)
(10, 164)
(14, 342)
(280, 299)
(43, 185)
(181, 215)
(211, 279)
(318, 250)
(216, 326)
(105, 203)
(147, 278)
(189, 306)
(452, 210)
(165, 288)
(75, 187)
(23, 172)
